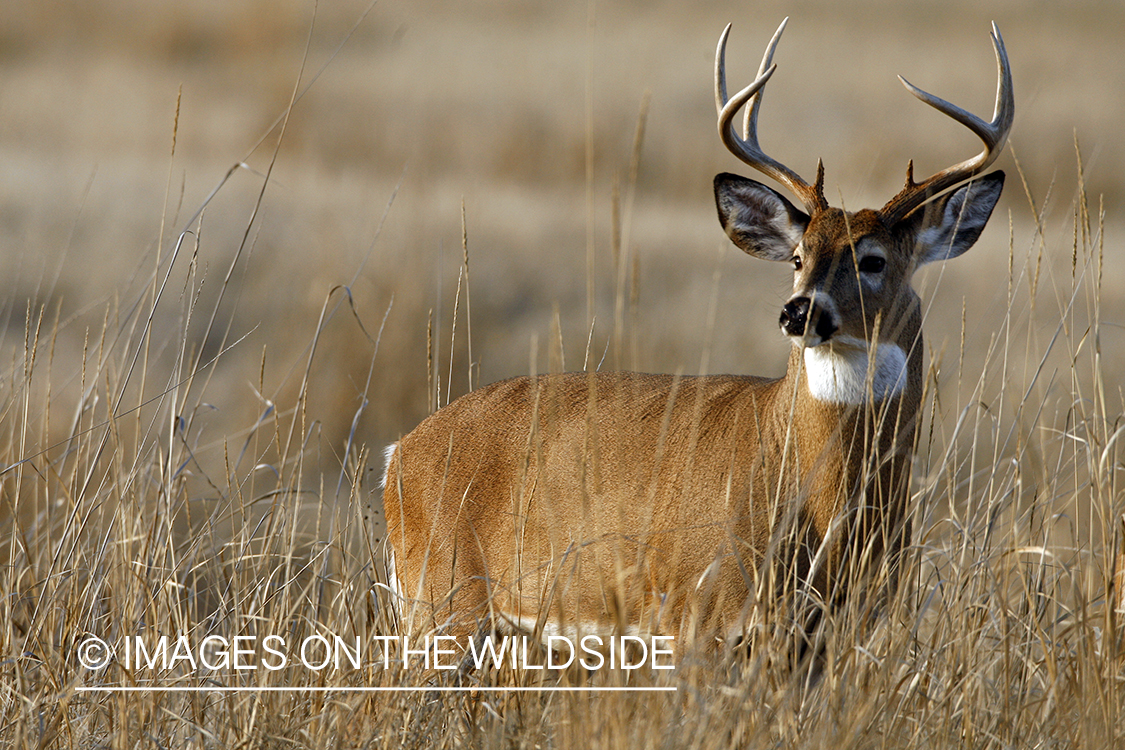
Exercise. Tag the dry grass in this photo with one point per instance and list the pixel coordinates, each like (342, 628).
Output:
(190, 422)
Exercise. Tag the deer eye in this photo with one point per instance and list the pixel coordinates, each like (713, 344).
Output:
(796, 261)
(872, 264)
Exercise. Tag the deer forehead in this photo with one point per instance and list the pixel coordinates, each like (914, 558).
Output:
(833, 233)
(835, 241)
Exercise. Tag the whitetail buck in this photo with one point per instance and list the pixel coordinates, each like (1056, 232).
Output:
(624, 502)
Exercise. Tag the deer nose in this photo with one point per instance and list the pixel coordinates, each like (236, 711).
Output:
(797, 313)
(794, 316)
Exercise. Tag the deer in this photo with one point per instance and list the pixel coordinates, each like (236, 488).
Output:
(623, 502)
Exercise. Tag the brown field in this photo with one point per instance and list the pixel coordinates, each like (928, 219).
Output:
(201, 369)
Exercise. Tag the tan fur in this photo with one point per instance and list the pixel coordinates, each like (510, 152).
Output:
(628, 502)
(623, 499)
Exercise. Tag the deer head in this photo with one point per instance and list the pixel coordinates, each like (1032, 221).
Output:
(852, 271)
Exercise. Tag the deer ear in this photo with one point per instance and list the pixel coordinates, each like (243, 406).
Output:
(757, 219)
(951, 225)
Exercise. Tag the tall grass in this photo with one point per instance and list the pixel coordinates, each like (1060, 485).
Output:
(120, 522)
(124, 517)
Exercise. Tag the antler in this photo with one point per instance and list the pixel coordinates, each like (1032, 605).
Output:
(994, 134)
(746, 148)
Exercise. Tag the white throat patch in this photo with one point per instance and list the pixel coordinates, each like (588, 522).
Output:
(837, 371)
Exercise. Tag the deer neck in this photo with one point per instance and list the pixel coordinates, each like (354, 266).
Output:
(848, 387)
(843, 449)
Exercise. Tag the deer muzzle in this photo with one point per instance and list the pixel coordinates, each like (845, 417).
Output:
(800, 318)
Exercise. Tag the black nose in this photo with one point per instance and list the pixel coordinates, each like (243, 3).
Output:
(794, 316)
(797, 312)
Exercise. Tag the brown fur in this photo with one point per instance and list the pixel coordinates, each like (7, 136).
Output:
(624, 500)
(628, 502)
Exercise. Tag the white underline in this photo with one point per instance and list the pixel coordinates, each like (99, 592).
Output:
(440, 689)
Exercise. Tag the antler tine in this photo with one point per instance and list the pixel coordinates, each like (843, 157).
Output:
(994, 134)
(746, 147)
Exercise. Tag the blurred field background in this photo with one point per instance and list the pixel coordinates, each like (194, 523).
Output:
(487, 103)
(525, 114)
